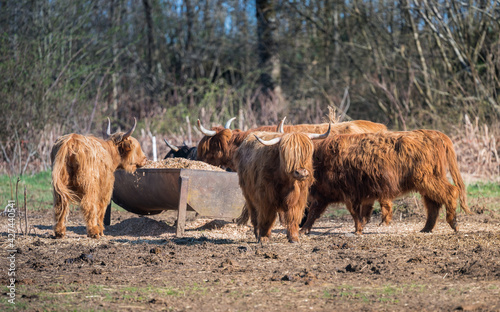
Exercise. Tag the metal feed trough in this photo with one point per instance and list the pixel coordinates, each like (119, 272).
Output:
(214, 194)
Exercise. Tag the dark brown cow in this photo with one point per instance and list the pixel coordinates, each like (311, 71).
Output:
(219, 144)
(180, 152)
(275, 178)
(83, 173)
(361, 168)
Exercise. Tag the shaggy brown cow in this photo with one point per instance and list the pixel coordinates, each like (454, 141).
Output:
(83, 172)
(359, 126)
(219, 144)
(275, 178)
(361, 168)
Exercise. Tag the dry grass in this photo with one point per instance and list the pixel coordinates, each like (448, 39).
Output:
(476, 145)
(477, 151)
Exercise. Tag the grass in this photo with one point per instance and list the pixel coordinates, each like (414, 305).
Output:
(384, 294)
(38, 190)
(483, 190)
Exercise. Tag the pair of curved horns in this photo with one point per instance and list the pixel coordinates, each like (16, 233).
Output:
(126, 135)
(312, 136)
(173, 147)
(212, 132)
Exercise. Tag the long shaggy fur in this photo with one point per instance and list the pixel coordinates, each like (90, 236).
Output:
(83, 173)
(218, 150)
(357, 126)
(361, 168)
(267, 177)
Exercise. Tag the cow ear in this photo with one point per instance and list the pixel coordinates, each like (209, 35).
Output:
(125, 146)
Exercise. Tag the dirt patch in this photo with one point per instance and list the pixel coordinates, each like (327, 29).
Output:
(218, 266)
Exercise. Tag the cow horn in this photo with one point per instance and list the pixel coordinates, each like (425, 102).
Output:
(228, 123)
(268, 143)
(108, 130)
(205, 131)
(321, 136)
(280, 126)
(129, 133)
(173, 147)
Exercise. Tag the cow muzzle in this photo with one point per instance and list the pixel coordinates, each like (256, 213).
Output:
(301, 174)
(142, 163)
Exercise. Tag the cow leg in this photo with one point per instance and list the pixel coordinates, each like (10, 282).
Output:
(451, 208)
(101, 209)
(450, 196)
(386, 209)
(316, 209)
(292, 219)
(432, 208)
(282, 218)
(61, 210)
(90, 215)
(265, 223)
(100, 220)
(440, 191)
(304, 217)
(252, 212)
(366, 213)
(354, 209)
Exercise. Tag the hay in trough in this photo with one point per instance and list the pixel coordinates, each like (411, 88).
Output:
(180, 163)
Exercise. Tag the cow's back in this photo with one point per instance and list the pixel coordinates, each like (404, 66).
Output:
(374, 165)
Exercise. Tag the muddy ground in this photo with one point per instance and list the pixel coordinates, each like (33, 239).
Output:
(141, 265)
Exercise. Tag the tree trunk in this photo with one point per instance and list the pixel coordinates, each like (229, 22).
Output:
(269, 62)
(150, 45)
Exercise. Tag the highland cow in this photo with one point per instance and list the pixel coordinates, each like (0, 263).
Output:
(83, 173)
(219, 144)
(275, 178)
(181, 152)
(358, 169)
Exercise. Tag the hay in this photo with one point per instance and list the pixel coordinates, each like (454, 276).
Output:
(180, 163)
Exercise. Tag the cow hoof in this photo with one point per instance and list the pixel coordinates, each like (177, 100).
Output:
(293, 241)
(59, 235)
(304, 231)
(424, 230)
(93, 235)
(264, 240)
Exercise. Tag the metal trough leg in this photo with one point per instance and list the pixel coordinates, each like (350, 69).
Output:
(181, 209)
(107, 215)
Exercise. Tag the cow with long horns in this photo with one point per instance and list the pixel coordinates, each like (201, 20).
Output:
(83, 169)
(181, 152)
(358, 169)
(275, 172)
(219, 144)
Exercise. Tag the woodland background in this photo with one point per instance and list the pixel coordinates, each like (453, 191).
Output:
(67, 65)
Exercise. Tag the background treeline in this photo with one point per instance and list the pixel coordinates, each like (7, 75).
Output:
(67, 65)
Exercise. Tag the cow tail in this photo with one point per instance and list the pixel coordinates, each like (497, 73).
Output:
(457, 178)
(60, 178)
(244, 217)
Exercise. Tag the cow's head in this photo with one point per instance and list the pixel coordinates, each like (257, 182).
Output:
(180, 152)
(214, 147)
(131, 154)
(296, 151)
